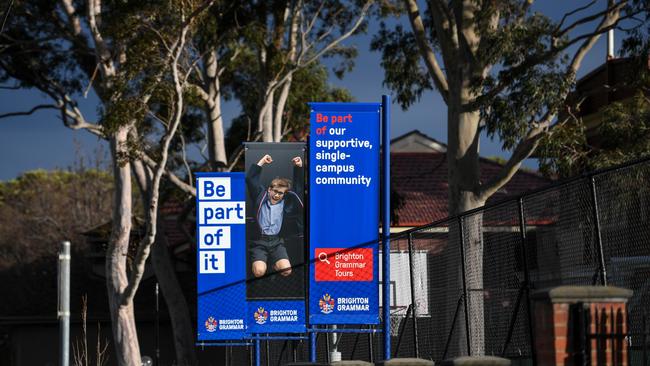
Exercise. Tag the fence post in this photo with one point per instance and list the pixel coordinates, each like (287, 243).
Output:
(465, 297)
(157, 327)
(524, 252)
(267, 351)
(371, 342)
(599, 241)
(64, 304)
(580, 336)
(413, 301)
(644, 338)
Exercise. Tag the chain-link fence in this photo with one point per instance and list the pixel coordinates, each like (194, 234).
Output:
(462, 286)
(483, 265)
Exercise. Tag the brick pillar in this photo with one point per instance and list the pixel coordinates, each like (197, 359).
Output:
(567, 319)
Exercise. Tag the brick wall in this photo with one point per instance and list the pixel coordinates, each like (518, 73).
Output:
(570, 320)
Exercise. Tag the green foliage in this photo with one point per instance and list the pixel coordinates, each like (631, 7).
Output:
(400, 59)
(309, 84)
(623, 135)
(517, 74)
(623, 131)
(33, 52)
(33, 182)
(38, 210)
(41, 52)
(509, 115)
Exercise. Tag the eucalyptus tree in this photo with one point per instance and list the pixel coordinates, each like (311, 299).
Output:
(290, 35)
(620, 133)
(133, 56)
(500, 68)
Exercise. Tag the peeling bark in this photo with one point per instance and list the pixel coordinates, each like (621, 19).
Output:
(216, 145)
(464, 183)
(279, 111)
(266, 117)
(125, 336)
(165, 273)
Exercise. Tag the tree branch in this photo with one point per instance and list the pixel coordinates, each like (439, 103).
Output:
(575, 11)
(607, 23)
(196, 12)
(103, 54)
(590, 18)
(341, 38)
(314, 18)
(529, 143)
(173, 178)
(79, 122)
(426, 52)
(522, 151)
(144, 247)
(31, 111)
(590, 38)
(199, 91)
(73, 18)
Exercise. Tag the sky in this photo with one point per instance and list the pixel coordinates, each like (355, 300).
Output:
(41, 141)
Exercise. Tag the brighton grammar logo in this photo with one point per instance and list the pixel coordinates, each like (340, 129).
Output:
(326, 304)
(261, 315)
(211, 324)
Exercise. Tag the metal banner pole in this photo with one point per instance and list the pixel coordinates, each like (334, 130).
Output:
(64, 304)
(312, 346)
(157, 326)
(385, 130)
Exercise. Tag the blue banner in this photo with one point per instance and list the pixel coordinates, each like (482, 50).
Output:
(220, 256)
(344, 213)
(272, 316)
(275, 181)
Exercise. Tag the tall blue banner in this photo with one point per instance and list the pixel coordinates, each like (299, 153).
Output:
(220, 255)
(344, 213)
(275, 266)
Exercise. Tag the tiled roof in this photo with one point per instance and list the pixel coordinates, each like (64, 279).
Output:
(420, 182)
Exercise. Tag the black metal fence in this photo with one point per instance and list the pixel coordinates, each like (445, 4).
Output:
(462, 286)
(482, 266)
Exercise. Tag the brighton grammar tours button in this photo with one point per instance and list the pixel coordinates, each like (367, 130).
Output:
(343, 264)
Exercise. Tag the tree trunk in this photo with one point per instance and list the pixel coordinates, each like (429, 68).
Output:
(216, 146)
(171, 290)
(266, 117)
(125, 335)
(178, 311)
(279, 110)
(464, 185)
(284, 94)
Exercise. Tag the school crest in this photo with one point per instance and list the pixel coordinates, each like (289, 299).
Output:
(326, 304)
(211, 324)
(261, 315)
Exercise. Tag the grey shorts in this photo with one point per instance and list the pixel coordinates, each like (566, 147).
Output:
(268, 248)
